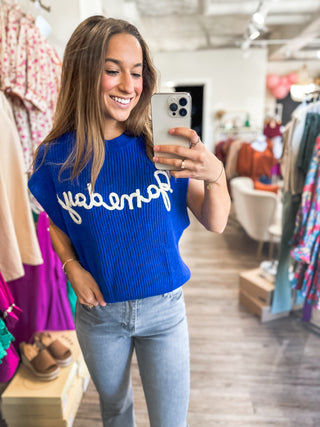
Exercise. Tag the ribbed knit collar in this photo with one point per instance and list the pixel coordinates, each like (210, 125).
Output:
(119, 143)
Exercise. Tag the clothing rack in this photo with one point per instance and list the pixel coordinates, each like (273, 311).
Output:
(313, 96)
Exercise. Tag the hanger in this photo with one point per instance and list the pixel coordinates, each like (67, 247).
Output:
(43, 6)
(315, 95)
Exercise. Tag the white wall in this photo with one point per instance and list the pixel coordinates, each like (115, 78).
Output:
(233, 83)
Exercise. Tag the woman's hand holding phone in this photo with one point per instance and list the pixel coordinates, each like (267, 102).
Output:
(194, 162)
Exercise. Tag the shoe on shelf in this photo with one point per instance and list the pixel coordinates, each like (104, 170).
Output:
(39, 361)
(60, 353)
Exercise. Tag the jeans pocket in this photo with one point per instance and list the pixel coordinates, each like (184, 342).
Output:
(176, 294)
(95, 309)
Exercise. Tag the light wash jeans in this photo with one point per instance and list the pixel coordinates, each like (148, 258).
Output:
(156, 328)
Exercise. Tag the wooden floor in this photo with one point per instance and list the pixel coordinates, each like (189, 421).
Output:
(243, 373)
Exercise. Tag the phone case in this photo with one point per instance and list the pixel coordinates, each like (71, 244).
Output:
(169, 110)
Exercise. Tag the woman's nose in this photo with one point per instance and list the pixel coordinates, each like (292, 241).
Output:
(126, 83)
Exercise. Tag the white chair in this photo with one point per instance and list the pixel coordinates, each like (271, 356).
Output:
(255, 210)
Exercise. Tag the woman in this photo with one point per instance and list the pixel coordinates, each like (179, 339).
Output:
(116, 221)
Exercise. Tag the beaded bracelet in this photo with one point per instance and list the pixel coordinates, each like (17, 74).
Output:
(66, 262)
(209, 184)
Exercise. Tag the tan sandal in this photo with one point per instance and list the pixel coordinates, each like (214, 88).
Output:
(59, 352)
(39, 361)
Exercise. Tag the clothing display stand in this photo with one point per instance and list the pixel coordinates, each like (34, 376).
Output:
(255, 294)
(28, 401)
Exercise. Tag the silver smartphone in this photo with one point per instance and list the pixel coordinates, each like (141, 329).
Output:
(170, 110)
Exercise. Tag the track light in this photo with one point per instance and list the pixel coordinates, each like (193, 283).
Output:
(256, 25)
(254, 33)
(258, 19)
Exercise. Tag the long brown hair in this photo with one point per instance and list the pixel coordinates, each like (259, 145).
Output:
(80, 104)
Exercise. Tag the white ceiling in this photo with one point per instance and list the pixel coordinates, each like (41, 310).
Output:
(291, 29)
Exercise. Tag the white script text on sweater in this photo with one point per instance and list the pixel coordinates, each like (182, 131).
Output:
(154, 191)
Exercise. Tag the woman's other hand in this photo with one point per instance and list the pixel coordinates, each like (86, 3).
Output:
(84, 285)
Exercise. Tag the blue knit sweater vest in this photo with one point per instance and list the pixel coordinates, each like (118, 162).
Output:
(126, 232)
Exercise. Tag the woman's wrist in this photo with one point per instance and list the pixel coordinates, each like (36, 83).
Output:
(210, 183)
(67, 262)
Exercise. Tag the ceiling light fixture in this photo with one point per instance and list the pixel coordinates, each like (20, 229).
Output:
(258, 19)
(256, 25)
(259, 16)
(254, 35)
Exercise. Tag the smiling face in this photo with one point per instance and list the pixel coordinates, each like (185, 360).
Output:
(122, 82)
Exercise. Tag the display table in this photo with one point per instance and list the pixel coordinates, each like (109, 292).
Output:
(30, 402)
(255, 294)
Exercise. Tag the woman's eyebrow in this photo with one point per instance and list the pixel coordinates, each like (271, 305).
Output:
(116, 61)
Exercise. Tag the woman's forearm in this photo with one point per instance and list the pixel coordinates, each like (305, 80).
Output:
(210, 203)
(62, 246)
(216, 205)
(82, 282)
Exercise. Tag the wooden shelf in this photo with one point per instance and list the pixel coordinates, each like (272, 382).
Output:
(237, 130)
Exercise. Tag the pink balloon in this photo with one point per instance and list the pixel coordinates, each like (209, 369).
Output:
(280, 92)
(272, 81)
(283, 81)
(293, 78)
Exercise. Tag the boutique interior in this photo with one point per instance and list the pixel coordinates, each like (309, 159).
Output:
(253, 301)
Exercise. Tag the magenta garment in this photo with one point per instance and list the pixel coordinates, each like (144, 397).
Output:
(42, 292)
(11, 314)
(9, 364)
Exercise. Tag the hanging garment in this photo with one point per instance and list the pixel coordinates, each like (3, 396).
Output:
(12, 62)
(43, 81)
(9, 359)
(272, 129)
(18, 243)
(253, 163)
(306, 238)
(42, 292)
(294, 176)
(294, 179)
(282, 296)
(311, 131)
(5, 339)
(221, 149)
(232, 156)
(10, 312)
(30, 71)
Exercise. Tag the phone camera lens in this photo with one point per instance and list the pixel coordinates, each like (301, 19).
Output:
(173, 106)
(183, 102)
(183, 112)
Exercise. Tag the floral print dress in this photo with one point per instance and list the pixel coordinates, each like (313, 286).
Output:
(30, 71)
(306, 238)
